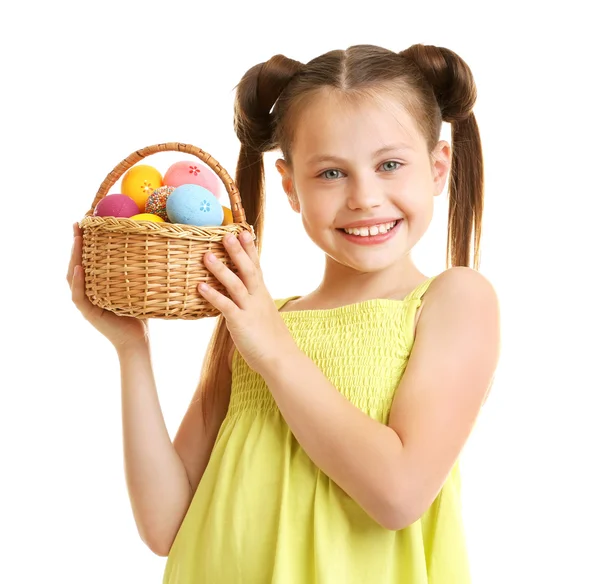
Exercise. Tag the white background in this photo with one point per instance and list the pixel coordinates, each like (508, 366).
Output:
(84, 85)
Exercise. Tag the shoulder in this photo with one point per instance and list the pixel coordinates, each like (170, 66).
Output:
(462, 287)
(463, 302)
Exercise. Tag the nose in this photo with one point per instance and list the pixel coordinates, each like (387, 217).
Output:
(364, 193)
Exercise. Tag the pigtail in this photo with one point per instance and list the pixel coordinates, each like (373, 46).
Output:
(254, 124)
(256, 95)
(465, 194)
(456, 93)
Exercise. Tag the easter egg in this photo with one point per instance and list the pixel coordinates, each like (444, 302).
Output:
(194, 205)
(227, 216)
(147, 217)
(140, 182)
(157, 202)
(116, 205)
(191, 172)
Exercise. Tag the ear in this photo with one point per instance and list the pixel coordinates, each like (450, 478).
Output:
(287, 183)
(440, 166)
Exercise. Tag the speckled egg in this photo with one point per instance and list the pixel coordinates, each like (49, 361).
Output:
(193, 172)
(194, 205)
(157, 202)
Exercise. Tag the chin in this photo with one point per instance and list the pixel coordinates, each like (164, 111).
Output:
(363, 259)
(366, 263)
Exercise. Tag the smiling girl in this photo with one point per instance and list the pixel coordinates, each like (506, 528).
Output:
(322, 443)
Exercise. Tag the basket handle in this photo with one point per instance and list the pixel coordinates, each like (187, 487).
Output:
(237, 210)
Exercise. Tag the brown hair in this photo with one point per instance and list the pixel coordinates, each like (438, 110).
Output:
(433, 83)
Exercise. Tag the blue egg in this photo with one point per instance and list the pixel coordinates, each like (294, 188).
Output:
(194, 205)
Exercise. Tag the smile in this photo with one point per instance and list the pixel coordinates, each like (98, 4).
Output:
(372, 230)
(373, 234)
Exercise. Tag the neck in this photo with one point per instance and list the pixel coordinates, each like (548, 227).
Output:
(344, 285)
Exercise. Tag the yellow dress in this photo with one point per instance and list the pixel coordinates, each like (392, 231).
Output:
(263, 512)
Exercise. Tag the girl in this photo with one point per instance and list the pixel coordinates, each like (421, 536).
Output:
(321, 445)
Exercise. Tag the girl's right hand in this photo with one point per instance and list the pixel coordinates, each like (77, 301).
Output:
(121, 331)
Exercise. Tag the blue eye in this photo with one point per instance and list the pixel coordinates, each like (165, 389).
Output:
(331, 174)
(395, 165)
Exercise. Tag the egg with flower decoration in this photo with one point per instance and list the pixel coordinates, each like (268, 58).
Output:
(194, 205)
(139, 182)
(192, 172)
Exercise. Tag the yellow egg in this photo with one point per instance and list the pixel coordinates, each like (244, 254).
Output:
(227, 216)
(147, 217)
(139, 182)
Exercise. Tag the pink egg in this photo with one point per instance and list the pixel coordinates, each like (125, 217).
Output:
(116, 205)
(192, 172)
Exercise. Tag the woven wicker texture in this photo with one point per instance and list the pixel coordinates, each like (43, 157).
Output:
(151, 270)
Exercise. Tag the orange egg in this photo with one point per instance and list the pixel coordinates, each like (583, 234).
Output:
(227, 216)
(140, 182)
(147, 217)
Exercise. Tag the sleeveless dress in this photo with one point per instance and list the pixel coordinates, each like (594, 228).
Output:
(263, 512)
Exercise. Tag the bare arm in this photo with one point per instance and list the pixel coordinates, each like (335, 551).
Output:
(194, 441)
(395, 471)
(161, 475)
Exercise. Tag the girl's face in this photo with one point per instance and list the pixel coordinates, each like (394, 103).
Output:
(362, 179)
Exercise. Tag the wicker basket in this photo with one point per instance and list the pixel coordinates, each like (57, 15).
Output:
(145, 269)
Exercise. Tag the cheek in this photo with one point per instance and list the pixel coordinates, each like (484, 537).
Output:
(315, 226)
(317, 219)
(417, 200)
(317, 207)
(316, 215)
(422, 213)
(415, 205)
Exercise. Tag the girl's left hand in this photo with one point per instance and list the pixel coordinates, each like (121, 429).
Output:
(255, 325)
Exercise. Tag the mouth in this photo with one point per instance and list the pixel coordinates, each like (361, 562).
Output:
(371, 230)
(371, 234)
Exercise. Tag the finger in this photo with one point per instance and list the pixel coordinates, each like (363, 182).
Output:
(247, 269)
(88, 310)
(77, 287)
(71, 266)
(236, 288)
(78, 290)
(247, 242)
(71, 261)
(76, 253)
(223, 304)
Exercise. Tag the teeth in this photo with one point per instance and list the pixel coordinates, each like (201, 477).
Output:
(373, 230)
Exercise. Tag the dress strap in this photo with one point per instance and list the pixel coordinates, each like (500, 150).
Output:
(281, 302)
(412, 303)
(420, 290)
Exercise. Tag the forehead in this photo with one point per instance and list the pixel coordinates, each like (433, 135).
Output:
(336, 123)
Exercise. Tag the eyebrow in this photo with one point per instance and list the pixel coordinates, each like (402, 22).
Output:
(384, 150)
